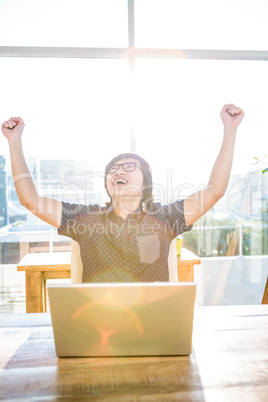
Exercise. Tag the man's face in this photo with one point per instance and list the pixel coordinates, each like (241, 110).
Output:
(125, 181)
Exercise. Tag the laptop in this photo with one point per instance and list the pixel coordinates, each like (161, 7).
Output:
(122, 319)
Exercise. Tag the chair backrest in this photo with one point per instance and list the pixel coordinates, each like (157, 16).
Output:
(172, 262)
(77, 266)
(76, 263)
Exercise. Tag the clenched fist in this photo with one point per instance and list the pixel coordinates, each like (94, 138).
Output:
(13, 127)
(231, 116)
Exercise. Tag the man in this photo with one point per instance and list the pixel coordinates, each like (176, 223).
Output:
(129, 239)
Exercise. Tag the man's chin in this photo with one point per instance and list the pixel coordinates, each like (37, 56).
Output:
(127, 196)
(124, 199)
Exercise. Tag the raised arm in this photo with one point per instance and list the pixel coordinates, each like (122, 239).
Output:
(45, 208)
(200, 202)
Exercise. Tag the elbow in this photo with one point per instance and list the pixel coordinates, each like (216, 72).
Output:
(219, 194)
(29, 204)
(215, 196)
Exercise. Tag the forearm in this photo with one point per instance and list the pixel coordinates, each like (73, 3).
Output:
(221, 171)
(23, 180)
(45, 208)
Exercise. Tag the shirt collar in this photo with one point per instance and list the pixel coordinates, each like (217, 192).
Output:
(137, 214)
(109, 209)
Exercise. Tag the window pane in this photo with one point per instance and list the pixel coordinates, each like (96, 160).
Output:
(79, 23)
(207, 24)
(231, 281)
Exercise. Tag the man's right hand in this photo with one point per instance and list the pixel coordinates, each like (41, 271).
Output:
(13, 127)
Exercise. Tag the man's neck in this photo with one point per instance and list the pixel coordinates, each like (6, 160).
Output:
(123, 208)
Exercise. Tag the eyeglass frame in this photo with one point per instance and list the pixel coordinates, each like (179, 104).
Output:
(135, 164)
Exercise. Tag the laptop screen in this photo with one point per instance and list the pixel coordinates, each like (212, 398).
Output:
(125, 319)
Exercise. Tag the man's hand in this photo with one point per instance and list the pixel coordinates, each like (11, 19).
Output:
(13, 127)
(231, 116)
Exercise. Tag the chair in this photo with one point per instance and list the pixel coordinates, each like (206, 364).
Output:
(76, 263)
(172, 262)
(265, 294)
(77, 266)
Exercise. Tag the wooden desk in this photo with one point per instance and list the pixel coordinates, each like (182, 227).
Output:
(229, 363)
(39, 267)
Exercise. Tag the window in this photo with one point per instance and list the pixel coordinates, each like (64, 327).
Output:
(79, 23)
(206, 24)
(73, 108)
(185, 134)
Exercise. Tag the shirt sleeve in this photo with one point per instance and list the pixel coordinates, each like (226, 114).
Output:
(173, 214)
(71, 220)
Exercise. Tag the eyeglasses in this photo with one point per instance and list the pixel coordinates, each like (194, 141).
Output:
(127, 167)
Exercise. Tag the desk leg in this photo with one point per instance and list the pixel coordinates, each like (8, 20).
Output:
(45, 295)
(186, 273)
(34, 292)
(265, 294)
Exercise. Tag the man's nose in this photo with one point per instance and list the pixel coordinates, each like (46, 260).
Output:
(120, 170)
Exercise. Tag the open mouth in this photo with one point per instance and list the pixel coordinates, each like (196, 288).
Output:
(120, 181)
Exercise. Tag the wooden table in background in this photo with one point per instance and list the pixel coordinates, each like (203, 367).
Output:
(229, 363)
(39, 267)
(186, 262)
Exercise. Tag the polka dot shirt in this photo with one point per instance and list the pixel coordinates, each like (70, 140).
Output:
(118, 250)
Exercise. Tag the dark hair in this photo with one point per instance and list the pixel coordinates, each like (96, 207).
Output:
(147, 196)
